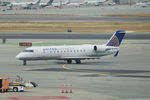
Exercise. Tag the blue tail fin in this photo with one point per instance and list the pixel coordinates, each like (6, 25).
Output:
(116, 39)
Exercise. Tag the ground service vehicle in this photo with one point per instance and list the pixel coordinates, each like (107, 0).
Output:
(4, 84)
(16, 88)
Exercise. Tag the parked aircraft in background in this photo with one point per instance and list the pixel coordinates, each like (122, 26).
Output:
(74, 4)
(69, 53)
(111, 3)
(42, 5)
(25, 4)
(77, 4)
(66, 2)
(141, 4)
(148, 3)
(96, 2)
(58, 4)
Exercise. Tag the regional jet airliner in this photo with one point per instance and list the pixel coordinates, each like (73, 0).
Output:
(72, 52)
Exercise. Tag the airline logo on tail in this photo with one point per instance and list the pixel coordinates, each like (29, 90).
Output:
(113, 42)
(116, 39)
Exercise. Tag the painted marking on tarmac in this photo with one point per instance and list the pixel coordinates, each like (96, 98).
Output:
(27, 68)
(99, 74)
(103, 74)
(64, 67)
(38, 97)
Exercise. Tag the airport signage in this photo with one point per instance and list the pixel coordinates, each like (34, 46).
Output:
(25, 44)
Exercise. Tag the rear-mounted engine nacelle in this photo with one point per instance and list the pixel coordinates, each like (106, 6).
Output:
(99, 48)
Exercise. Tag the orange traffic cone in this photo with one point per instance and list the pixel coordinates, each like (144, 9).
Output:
(62, 91)
(71, 88)
(66, 88)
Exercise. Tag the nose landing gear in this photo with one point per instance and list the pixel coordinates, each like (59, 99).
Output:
(24, 62)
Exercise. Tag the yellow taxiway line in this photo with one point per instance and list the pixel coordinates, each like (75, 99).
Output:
(64, 67)
(25, 69)
(100, 74)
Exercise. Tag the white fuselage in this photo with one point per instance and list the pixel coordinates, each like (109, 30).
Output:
(66, 52)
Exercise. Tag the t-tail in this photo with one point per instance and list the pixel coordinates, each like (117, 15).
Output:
(47, 4)
(67, 2)
(116, 40)
(38, 1)
(50, 2)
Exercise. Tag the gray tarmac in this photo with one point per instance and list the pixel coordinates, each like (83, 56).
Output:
(126, 77)
(68, 18)
(73, 14)
(70, 35)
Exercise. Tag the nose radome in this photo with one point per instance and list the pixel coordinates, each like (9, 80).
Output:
(17, 57)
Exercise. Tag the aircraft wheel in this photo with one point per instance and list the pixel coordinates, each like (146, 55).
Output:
(69, 61)
(78, 61)
(15, 89)
(24, 62)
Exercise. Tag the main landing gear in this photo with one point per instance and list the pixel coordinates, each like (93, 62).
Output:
(24, 62)
(78, 61)
(69, 61)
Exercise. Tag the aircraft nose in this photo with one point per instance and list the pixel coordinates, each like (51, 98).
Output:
(18, 56)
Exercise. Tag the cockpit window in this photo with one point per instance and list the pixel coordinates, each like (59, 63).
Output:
(28, 51)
